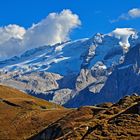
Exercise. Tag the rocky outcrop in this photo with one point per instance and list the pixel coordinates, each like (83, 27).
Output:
(105, 121)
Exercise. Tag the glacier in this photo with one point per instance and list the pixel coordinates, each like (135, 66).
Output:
(75, 73)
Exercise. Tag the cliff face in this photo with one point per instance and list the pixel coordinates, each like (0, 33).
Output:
(124, 80)
(105, 121)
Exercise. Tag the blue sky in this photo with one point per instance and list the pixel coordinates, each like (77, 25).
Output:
(95, 15)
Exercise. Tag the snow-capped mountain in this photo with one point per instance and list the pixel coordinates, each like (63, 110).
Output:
(73, 73)
(70, 56)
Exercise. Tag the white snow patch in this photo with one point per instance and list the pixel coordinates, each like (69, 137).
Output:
(123, 34)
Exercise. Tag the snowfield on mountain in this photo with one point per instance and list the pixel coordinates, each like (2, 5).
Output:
(81, 72)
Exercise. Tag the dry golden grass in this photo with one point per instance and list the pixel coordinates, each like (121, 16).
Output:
(22, 115)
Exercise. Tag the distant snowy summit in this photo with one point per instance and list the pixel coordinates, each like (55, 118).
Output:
(72, 55)
(72, 73)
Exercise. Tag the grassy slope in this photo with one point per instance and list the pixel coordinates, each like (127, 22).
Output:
(22, 115)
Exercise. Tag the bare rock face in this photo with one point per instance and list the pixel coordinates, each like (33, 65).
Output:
(93, 79)
(62, 96)
(38, 82)
(84, 79)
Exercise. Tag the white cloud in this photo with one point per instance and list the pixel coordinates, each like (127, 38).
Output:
(11, 37)
(55, 28)
(11, 31)
(123, 35)
(11, 48)
(134, 13)
(131, 14)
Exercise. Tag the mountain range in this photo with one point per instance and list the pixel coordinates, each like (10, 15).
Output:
(89, 71)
